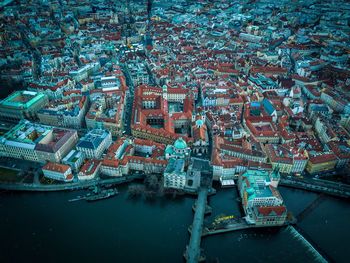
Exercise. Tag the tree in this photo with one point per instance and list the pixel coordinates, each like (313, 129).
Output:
(136, 190)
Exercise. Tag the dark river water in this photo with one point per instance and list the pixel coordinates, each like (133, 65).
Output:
(45, 227)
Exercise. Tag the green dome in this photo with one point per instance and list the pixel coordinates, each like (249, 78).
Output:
(180, 144)
(199, 122)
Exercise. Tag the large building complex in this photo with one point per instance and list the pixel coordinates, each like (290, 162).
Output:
(262, 203)
(106, 111)
(64, 113)
(22, 105)
(36, 142)
(154, 119)
(94, 143)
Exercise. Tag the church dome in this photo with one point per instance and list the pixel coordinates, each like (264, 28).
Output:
(199, 122)
(180, 144)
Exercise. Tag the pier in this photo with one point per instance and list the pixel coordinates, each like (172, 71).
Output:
(193, 251)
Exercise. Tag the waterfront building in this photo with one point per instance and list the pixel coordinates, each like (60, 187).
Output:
(22, 105)
(36, 142)
(74, 159)
(258, 188)
(125, 155)
(174, 174)
(320, 162)
(94, 143)
(269, 215)
(59, 172)
(341, 150)
(89, 170)
(287, 159)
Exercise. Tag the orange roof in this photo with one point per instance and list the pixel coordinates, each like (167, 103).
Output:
(267, 210)
(56, 167)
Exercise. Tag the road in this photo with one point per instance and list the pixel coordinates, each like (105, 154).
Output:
(67, 186)
(316, 185)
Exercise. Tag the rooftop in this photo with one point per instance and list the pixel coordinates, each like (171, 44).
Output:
(22, 99)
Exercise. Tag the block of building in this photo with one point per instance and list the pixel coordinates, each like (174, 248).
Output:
(89, 170)
(22, 105)
(68, 113)
(74, 159)
(59, 172)
(258, 188)
(94, 143)
(36, 142)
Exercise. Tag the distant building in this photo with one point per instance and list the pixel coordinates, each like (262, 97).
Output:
(94, 143)
(56, 171)
(200, 137)
(22, 105)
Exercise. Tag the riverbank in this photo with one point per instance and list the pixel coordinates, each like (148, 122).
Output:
(127, 225)
(67, 186)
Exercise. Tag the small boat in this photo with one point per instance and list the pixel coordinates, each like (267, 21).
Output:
(78, 198)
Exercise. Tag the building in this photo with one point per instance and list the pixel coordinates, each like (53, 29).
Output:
(320, 162)
(94, 143)
(68, 113)
(126, 155)
(258, 188)
(287, 159)
(89, 170)
(59, 172)
(37, 142)
(179, 150)
(153, 118)
(106, 111)
(200, 138)
(269, 215)
(74, 159)
(174, 174)
(22, 105)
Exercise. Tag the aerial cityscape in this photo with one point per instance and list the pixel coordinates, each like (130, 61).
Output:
(174, 130)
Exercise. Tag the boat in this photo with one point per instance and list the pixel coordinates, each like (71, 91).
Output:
(78, 198)
(102, 194)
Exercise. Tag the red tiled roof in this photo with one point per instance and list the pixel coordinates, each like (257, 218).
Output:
(56, 167)
(267, 210)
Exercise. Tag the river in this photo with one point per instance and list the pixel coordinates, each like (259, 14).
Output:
(48, 228)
